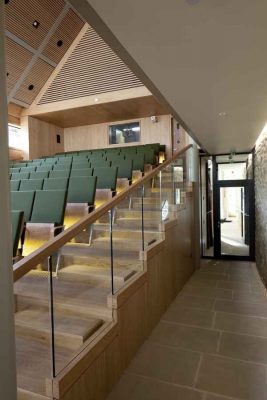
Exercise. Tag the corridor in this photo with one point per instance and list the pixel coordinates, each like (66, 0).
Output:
(211, 344)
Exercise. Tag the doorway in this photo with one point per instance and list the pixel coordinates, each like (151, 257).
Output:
(227, 205)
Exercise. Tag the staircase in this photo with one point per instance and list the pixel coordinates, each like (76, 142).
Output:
(80, 291)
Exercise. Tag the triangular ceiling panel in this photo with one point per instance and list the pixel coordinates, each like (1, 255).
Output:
(91, 69)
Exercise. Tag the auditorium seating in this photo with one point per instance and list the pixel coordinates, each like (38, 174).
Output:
(89, 178)
(46, 219)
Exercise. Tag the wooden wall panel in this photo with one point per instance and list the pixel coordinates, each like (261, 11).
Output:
(96, 136)
(91, 69)
(67, 32)
(14, 113)
(41, 137)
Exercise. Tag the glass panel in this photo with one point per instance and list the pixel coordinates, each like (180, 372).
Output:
(82, 289)
(207, 207)
(234, 221)
(33, 330)
(127, 238)
(124, 133)
(232, 171)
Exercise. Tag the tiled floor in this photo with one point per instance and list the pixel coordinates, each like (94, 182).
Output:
(211, 344)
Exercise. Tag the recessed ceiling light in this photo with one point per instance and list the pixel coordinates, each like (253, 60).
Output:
(31, 87)
(222, 114)
(96, 99)
(36, 24)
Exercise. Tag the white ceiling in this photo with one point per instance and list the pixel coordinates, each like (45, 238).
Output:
(202, 59)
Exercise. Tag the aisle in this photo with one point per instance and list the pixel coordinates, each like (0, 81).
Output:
(211, 344)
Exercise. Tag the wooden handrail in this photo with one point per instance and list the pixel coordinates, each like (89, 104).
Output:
(28, 263)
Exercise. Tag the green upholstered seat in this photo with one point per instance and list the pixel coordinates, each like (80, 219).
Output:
(100, 163)
(81, 165)
(14, 170)
(44, 168)
(56, 184)
(106, 177)
(17, 226)
(23, 201)
(14, 185)
(81, 172)
(82, 189)
(31, 184)
(39, 175)
(28, 169)
(20, 175)
(20, 165)
(50, 160)
(125, 168)
(61, 167)
(49, 207)
(65, 173)
(115, 157)
(150, 157)
(139, 162)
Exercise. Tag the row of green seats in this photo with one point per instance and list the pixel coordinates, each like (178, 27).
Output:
(136, 163)
(106, 179)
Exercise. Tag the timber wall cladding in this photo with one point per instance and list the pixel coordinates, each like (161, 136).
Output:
(91, 69)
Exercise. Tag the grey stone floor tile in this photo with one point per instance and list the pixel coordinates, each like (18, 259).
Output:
(208, 292)
(244, 347)
(190, 301)
(193, 338)
(166, 363)
(242, 308)
(189, 316)
(133, 387)
(256, 326)
(232, 378)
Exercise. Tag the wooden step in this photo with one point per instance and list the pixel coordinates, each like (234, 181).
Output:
(126, 222)
(132, 213)
(70, 331)
(80, 251)
(84, 273)
(34, 364)
(26, 395)
(81, 298)
(121, 243)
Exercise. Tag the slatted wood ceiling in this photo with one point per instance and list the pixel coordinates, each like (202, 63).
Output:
(17, 59)
(32, 53)
(67, 31)
(91, 69)
(20, 14)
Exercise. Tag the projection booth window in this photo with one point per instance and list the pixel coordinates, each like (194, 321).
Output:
(124, 133)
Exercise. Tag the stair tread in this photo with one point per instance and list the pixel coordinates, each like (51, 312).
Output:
(35, 284)
(104, 271)
(34, 363)
(39, 318)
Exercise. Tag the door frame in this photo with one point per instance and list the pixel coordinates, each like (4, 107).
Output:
(248, 184)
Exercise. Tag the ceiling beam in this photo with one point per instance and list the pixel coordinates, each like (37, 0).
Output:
(26, 46)
(87, 101)
(38, 52)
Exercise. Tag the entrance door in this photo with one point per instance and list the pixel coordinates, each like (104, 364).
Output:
(234, 220)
